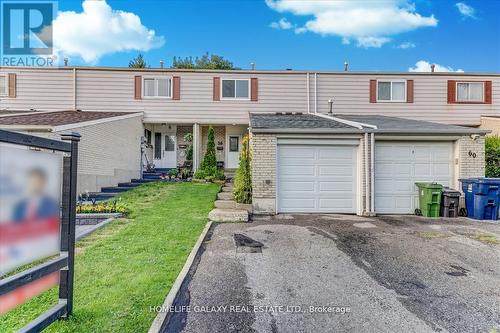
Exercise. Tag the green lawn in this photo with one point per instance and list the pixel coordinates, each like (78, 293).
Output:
(129, 265)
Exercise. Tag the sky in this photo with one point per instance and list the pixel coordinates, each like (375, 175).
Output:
(371, 35)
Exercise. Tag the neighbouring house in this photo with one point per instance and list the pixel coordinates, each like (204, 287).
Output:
(424, 126)
(492, 123)
(110, 145)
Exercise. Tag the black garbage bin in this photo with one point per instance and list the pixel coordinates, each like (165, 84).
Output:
(449, 202)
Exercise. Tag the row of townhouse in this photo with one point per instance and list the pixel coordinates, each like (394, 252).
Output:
(344, 142)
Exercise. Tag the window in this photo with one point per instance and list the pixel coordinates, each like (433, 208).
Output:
(157, 146)
(169, 143)
(470, 91)
(235, 89)
(4, 85)
(391, 91)
(234, 143)
(157, 87)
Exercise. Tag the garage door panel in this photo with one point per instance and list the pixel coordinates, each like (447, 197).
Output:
(399, 165)
(298, 186)
(298, 170)
(335, 170)
(335, 186)
(323, 183)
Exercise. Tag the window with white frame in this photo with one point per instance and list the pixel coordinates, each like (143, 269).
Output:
(470, 92)
(235, 89)
(160, 87)
(4, 85)
(391, 91)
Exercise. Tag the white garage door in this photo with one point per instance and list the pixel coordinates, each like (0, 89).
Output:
(398, 165)
(314, 178)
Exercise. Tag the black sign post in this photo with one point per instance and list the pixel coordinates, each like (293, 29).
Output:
(65, 262)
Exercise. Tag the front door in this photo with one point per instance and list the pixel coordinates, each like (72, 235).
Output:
(233, 152)
(165, 150)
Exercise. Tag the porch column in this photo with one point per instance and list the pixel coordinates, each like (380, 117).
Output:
(196, 146)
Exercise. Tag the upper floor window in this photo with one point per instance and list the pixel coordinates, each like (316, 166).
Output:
(160, 87)
(470, 92)
(235, 89)
(391, 91)
(4, 85)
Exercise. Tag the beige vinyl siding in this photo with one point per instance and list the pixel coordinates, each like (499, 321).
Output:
(351, 96)
(113, 90)
(40, 89)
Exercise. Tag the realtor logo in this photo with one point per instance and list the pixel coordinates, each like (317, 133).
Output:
(26, 36)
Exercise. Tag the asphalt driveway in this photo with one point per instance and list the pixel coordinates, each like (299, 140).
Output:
(337, 273)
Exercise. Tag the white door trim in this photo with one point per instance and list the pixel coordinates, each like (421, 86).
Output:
(226, 155)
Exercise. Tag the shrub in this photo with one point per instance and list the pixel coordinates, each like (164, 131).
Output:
(243, 179)
(208, 167)
(492, 147)
(102, 207)
(173, 172)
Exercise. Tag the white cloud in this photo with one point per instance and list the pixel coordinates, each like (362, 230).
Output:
(369, 22)
(100, 30)
(406, 45)
(466, 10)
(425, 66)
(371, 41)
(283, 24)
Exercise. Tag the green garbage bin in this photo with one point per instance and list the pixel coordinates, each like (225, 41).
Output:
(429, 199)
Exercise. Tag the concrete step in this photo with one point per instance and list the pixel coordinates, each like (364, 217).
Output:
(225, 196)
(142, 181)
(114, 189)
(131, 184)
(231, 204)
(227, 189)
(228, 215)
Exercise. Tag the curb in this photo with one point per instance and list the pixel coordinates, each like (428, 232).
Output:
(94, 228)
(172, 294)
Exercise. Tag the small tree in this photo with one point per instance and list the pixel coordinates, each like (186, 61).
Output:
(208, 167)
(138, 62)
(243, 179)
(206, 61)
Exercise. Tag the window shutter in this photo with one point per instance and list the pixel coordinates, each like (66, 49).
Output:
(487, 92)
(216, 89)
(254, 89)
(12, 85)
(373, 91)
(176, 89)
(452, 91)
(409, 91)
(138, 87)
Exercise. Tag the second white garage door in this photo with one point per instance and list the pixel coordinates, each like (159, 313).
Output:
(398, 165)
(316, 178)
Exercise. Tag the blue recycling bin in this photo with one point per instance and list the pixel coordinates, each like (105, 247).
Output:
(468, 189)
(482, 197)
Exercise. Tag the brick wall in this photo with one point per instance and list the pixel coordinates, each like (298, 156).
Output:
(471, 157)
(220, 137)
(181, 153)
(264, 173)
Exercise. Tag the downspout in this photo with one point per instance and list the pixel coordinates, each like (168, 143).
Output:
(315, 93)
(74, 89)
(308, 95)
(372, 174)
(367, 184)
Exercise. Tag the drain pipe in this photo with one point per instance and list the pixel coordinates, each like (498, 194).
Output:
(372, 174)
(315, 93)
(74, 89)
(308, 95)
(367, 184)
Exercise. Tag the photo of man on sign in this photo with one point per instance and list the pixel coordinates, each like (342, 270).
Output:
(30, 210)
